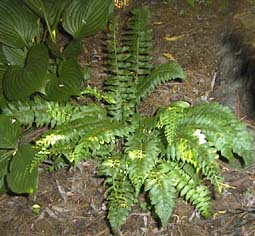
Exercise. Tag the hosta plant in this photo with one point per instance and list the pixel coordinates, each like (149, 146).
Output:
(166, 155)
(31, 61)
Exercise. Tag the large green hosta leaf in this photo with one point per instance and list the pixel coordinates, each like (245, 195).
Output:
(10, 131)
(14, 56)
(21, 82)
(5, 156)
(19, 178)
(18, 25)
(49, 10)
(3, 60)
(82, 18)
(67, 84)
(3, 68)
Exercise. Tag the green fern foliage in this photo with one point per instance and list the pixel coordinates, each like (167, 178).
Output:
(119, 83)
(212, 119)
(40, 112)
(143, 150)
(138, 39)
(120, 199)
(162, 193)
(160, 74)
(165, 155)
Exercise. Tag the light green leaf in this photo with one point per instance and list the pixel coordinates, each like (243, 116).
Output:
(19, 83)
(10, 131)
(18, 25)
(19, 179)
(82, 18)
(161, 74)
(67, 84)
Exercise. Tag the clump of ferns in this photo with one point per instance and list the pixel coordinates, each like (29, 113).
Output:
(166, 155)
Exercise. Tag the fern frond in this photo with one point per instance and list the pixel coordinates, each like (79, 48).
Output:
(63, 139)
(139, 40)
(41, 112)
(120, 201)
(95, 93)
(187, 186)
(119, 84)
(220, 127)
(112, 166)
(162, 194)
(159, 75)
(94, 139)
(143, 150)
(202, 157)
(168, 118)
(120, 192)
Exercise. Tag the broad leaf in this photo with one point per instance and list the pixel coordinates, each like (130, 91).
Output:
(161, 74)
(49, 10)
(18, 25)
(73, 49)
(82, 18)
(14, 56)
(3, 60)
(10, 131)
(3, 68)
(20, 82)
(67, 84)
(5, 156)
(20, 179)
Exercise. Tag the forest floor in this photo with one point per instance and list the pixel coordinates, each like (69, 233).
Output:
(72, 200)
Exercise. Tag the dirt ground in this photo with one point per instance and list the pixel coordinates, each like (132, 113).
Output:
(72, 201)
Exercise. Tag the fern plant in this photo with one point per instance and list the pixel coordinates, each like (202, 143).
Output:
(166, 155)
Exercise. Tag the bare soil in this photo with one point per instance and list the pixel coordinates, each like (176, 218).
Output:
(72, 200)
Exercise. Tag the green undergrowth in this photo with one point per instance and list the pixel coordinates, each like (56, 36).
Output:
(167, 155)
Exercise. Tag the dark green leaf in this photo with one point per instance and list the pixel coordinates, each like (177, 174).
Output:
(82, 18)
(73, 49)
(18, 25)
(67, 84)
(3, 60)
(9, 130)
(49, 10)
(5, 156)
(19, 82)
(20, 179)
(14, 56)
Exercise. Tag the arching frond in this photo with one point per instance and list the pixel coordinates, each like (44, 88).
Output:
(40, 112)
(188, 188)
(162, 194)
(138, 38)
(161, 74)
(220, 128)
(143, 150)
